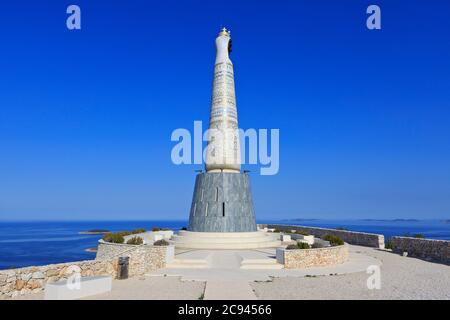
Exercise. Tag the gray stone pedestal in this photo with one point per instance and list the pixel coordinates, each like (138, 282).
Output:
(222, 202)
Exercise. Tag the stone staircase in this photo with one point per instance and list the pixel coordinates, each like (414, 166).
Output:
(225, 259)
(225, 240)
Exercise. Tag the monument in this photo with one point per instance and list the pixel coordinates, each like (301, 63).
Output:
(222, 213)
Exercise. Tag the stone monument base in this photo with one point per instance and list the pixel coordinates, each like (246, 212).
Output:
(222, 202)
(225, 240)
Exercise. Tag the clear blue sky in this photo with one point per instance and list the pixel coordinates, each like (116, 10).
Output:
(86, 116)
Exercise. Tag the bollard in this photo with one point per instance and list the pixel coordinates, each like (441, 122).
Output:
(122, 272)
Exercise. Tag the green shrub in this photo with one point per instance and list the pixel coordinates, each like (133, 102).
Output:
(139, 230)
(299, 245)
(334, 240)
(277, 230)
(107, 237)
(303, 233)
(135, 241)
(161, 243)
(388, 244)
(113, 237)
(154, 229)
(303, 245)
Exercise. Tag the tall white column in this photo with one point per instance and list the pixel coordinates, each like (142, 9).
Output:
(223, 151)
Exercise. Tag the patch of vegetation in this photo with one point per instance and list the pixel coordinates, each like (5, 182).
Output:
(302, 232)
(161, 243)
(303, 245)
(388, 244)
(277, 230)
(135, 240)
(154, 229)
(139, 230)
(333, 240)
(124, 233)
(113, 237)
(184, 228)
(299, 245)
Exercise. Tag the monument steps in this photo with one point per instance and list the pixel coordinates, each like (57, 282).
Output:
(188, 263)
(215, 235)
(225, 240)
(222, 240)
(227, 245)
(259, 266)
(259, 260)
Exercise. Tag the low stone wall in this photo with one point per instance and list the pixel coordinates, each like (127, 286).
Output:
(14, 282)
(351, 237)
(429, 249)
(307, 258)
(143, 258)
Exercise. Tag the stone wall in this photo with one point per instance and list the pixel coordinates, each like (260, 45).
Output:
(143, 258)
(14, 282)
(429, 249)
(307, 258)
(351, 237)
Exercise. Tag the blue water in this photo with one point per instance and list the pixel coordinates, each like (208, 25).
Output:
(38, 243)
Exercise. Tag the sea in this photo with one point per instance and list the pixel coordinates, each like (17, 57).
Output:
(37, 243)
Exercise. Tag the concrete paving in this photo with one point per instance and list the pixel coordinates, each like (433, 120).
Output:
(226, 278)
(223, 265)
(225, 290)
(143, 288)
(401, 278)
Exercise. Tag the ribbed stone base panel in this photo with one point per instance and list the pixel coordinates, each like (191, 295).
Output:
(225, 240)
(222, 202)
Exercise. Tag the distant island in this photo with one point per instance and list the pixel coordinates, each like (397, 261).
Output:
(373, 220)
(95, 231)
(392, 220)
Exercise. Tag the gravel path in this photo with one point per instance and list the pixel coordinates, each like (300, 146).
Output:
(401, 278)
